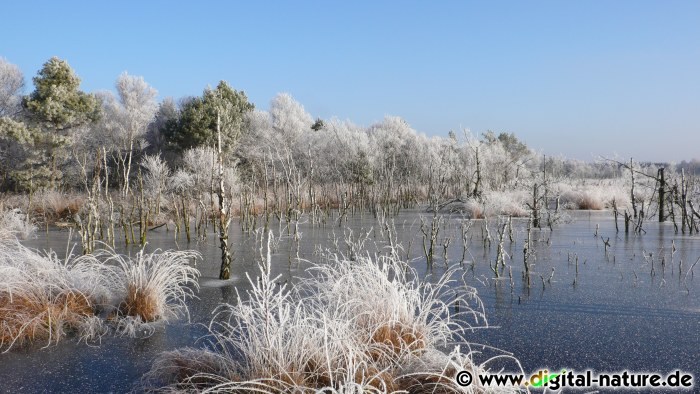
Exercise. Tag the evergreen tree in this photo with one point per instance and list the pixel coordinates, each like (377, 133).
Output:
(22, 157)
(196, 125)
(56, 106)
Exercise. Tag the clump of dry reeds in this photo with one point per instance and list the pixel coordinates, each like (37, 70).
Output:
(593, 196)
(15, 223)
(46, 298)
(40, 315)
(491, 203)
(53, 205)
(367, 325)
(151, 286)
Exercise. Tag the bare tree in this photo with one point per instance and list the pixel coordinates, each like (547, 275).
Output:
(11, 86)
(289, 118)
(157, 174)
(130, 115)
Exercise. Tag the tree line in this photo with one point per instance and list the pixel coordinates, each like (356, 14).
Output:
(276, 163)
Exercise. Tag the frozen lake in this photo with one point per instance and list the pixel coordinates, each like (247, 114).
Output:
(609, 312)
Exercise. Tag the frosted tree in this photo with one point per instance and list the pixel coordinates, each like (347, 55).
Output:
(289, 118)
(156, 178)
(472, 159)
(345, 159)
(397, 165)
(58, 106)
(130, 116)
(11, 85)
(257, 163)
(441, 168)
(253, 144)
(217, 120)
(507, 153)
(290, 122)
(56, 103)
(342, 151)
(275, 152)
(396, 144)
(17, 154)
(200, 163)
(167, 113)
(15, 137)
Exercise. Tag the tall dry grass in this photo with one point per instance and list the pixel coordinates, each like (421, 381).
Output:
(594, 194)
(508, 203)
(368, 325)
(150, 287)
(45, 298)
(15, 223)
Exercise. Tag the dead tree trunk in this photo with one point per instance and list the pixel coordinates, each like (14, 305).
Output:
(224, 206)
(684, 202)
(477, 184)
(632, 199)
(662, 195)
(535, 208)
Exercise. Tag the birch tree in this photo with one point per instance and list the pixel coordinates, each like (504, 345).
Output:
(134, 111)
(11, 85)
(217, 119)
(289, 118)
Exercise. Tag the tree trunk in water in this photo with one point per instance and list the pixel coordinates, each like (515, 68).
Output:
(477, 184)
(127, 169)
(224, 218)
(634, 203)
(52, 182)
(662, 195)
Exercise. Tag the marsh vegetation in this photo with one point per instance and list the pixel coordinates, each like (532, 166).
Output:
(318, 254)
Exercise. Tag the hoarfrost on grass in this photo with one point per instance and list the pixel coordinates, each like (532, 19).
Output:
(46, 298)
(330, 332)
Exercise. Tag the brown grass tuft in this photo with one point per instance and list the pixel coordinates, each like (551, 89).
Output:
(392, 340)
(190, 369)
(56, 206)
(317, 374)
(139, 302)
(41, 315)
(587, 201)
(291, 378)
(433, 383)
(475, 213)
(372, 377)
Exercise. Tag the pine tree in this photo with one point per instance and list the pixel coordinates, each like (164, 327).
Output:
(56, 106)
(197, 123)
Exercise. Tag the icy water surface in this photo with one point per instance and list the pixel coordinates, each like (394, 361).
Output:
(614, 314)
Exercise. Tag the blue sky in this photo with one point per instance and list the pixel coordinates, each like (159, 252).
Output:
(578, 78)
